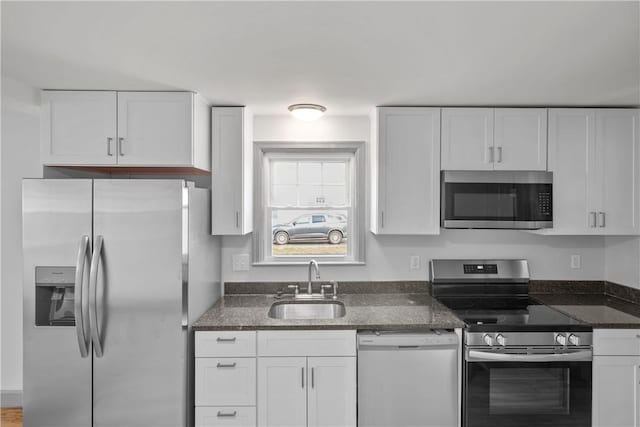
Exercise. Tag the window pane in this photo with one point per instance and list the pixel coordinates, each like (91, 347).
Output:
(334, 173)
(283, 172)
(311, 195)
(335, 195)
(284, 195)
(309, 233)
(309, 173)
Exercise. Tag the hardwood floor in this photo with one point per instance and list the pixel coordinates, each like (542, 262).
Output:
(11, 417)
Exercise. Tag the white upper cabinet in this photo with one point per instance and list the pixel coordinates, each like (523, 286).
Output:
(494, 139)
(125, 129)
(520, 139)
(232, 172)
(78, 128)
(594, 155)
(405, 171)
(467, 139)
(154, 128)
(618, 148)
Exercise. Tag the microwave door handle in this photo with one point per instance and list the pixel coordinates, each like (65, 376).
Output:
(486, 356)
(93, 291)
(78, 307)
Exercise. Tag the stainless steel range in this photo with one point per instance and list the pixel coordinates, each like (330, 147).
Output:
(525, 364)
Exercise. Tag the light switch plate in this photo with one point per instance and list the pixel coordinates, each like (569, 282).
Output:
(576, 261)
(414, 262)
(241, 262)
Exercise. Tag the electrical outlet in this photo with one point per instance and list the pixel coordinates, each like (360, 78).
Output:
(241, 262)
(576, 261)
(414, 262)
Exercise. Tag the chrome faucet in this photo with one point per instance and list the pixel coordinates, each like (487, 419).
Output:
(312, 264)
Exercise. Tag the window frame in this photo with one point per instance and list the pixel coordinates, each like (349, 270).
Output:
(357, 230)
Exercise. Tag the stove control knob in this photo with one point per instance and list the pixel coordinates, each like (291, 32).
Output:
(574, 339)
(488, 340)
(501, 340)
(561, 339)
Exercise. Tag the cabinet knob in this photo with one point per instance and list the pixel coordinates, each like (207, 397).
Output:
(501, 339)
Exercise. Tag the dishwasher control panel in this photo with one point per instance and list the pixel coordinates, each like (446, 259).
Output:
(407, 339)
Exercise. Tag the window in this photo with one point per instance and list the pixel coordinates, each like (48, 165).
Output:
(309, 204)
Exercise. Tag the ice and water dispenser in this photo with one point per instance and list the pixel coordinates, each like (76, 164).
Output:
(55, 296)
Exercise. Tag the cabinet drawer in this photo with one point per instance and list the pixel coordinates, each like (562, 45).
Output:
(307, 343)
(225, 416)
(225, 381)
(616, 342)
(225, 344)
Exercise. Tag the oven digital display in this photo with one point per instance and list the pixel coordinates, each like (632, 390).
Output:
(480, 269)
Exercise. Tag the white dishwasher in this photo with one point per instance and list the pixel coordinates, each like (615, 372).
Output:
(408, 379)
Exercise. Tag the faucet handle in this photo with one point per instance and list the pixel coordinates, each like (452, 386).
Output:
(296, 288)
(335, 289)
(323, 287)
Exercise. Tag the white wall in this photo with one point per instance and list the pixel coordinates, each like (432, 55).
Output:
(388, 256)
(20, 158)
(622, 260)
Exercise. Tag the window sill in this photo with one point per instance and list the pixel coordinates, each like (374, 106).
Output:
(297, 263)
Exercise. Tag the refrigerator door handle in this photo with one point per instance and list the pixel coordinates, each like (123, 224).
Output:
(93, 293)
(79, 291)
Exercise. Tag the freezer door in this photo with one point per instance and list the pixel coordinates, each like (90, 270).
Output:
(56, 214)
(139, 376)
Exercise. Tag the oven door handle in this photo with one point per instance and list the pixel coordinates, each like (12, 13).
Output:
(486, 356)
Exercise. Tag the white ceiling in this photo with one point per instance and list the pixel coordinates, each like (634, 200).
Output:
(348, 56)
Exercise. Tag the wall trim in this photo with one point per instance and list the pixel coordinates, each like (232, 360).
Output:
(11, 398)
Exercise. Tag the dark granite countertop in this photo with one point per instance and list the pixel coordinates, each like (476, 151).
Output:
(388, 311)
(598, 310)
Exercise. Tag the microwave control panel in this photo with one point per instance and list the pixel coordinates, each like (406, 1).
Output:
(544, 203)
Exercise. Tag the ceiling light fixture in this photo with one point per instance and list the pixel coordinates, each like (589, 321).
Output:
(307, 112)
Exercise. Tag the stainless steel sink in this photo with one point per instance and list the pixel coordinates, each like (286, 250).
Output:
(308, 310)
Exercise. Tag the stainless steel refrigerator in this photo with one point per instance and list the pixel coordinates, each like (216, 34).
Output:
(115, 272)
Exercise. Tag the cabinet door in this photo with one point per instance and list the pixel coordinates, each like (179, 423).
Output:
(520, 139)
(231, 174)
(409, 172)
(78, 128)
(332, 391)
(467, 139)
(576, 193)
(282, 391)
(616, 392)
(618, 150)
(155, 128)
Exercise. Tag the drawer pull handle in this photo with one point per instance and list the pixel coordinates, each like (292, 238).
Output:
(226, 339)
(226, 365)
(227, 414)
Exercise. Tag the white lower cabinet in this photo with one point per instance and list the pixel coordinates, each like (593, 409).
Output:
(298, 379)
(225, 416)
(307, 391)
(282, 391)
(332, 395)
(616, 378)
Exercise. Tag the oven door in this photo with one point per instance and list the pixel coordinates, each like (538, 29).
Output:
(518, 388)
(467, 203)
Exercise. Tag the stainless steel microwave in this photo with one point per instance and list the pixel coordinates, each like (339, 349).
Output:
(496, 199)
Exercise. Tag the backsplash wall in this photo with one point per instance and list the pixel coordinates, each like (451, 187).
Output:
(387, 257)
